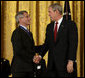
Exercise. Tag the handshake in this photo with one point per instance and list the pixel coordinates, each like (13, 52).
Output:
(37, 58)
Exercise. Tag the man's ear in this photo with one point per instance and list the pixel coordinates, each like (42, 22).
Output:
(19, 19)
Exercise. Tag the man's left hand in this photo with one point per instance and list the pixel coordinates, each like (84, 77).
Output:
(70, 66)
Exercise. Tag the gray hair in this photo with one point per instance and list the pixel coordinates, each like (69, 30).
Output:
(19, 15)
(58, 7)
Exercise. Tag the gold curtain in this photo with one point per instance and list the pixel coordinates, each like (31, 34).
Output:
(38, 11)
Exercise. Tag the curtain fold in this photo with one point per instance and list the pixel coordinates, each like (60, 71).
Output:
(38, 11)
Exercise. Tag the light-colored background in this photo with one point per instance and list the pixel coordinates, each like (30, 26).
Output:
(38, 11)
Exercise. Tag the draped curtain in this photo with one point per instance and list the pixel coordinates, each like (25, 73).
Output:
(38, 11)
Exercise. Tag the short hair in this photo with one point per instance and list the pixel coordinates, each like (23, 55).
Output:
(19, 15)
(58, 7)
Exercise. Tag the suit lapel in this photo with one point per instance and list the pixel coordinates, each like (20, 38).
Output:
(28, 33)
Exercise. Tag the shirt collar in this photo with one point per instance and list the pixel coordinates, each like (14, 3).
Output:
(23, 27)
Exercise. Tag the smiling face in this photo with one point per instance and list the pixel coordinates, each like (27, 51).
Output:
(25, 20)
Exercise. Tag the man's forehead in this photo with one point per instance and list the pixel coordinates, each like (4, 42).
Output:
(50, 9)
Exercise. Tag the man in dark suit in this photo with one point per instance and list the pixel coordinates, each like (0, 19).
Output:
(61, 42)
(23, 47)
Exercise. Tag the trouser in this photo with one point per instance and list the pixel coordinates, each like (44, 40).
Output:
(57, 73)
(23, 74)
(61, 74)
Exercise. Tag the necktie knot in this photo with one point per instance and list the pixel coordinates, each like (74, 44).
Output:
(56, 22)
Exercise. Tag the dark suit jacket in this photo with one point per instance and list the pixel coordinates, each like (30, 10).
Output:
(64, 48)
(23, 51)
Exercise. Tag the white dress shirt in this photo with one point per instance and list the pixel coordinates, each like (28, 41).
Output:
(58, 25)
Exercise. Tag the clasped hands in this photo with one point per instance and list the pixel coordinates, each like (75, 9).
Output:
(37, 58)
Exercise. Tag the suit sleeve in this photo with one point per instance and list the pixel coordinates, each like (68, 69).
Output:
(73, 41)
(42, 49)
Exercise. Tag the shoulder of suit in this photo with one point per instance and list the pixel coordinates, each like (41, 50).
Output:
(70, 24)
(68, 21)
(50, 24)
(17, 30)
